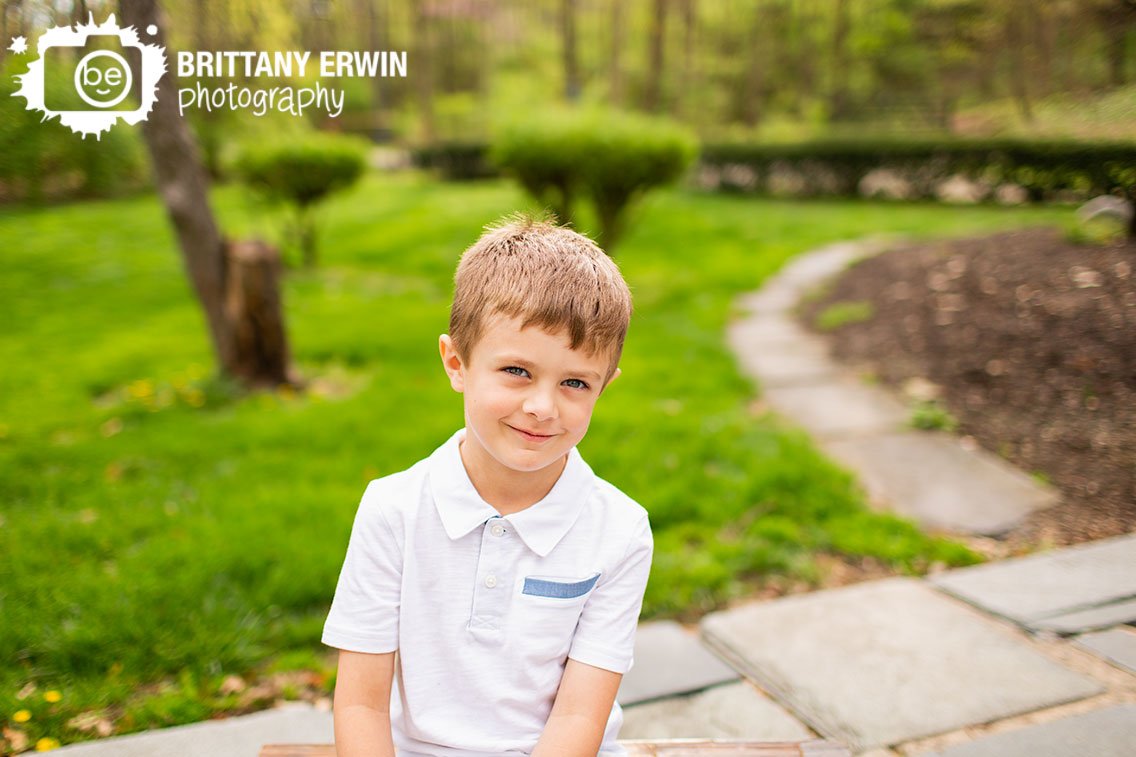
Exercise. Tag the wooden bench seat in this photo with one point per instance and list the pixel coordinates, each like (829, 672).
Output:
(665, 748)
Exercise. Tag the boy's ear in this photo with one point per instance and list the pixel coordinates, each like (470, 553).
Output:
(452, 362)
(614, 376)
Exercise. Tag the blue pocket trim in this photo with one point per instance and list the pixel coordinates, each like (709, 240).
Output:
(540, 587)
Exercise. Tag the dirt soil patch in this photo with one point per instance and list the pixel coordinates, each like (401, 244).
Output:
(1029, 341)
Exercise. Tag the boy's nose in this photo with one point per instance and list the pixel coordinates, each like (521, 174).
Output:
(540, 405)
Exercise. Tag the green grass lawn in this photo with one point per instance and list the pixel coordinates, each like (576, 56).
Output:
(160, 531)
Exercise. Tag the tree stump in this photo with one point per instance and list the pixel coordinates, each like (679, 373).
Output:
(253, 309)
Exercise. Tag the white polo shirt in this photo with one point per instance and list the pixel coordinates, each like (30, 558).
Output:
(484, 610)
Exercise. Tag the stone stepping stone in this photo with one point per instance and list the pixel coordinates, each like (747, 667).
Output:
(818, 265)
(838, 407)
(883, 662)
(791, 363)
(1105, 616)
(774, 297)
(733, 711)
(240, 736)
(670, 661)
(1117, 645)
(1108, 732)
(1075, 588)
(770, 331)
(929, 477)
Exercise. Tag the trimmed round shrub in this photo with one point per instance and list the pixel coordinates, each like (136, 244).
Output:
(610, 157)
(302, 172)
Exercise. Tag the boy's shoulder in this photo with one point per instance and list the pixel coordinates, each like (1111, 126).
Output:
(391, 490)
(616, 502)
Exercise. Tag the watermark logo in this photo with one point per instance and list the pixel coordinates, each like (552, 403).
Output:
(102, 62)
(105, 64)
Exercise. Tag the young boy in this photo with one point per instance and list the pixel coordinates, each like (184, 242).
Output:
(506, 575)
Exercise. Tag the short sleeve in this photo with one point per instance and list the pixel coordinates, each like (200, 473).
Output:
(365, 611)
(605, 635)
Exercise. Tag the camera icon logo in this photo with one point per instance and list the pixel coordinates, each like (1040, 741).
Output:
(103, 79)
(114, 76)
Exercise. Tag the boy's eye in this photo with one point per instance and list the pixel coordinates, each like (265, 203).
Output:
(515, 370)
(576, 384)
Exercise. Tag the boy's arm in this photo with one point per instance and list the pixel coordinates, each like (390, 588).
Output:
(362, 705)
(575, 728)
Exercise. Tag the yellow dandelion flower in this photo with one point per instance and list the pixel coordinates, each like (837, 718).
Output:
(52, 696)
(142, 388)
(22, 716)
(46, 744)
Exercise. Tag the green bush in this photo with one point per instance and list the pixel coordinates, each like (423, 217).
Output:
(456, 161)
(611, 158)
(44, 159)
(302, 172)
(1046, 169)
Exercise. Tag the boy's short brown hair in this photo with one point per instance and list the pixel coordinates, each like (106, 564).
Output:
(546, 275)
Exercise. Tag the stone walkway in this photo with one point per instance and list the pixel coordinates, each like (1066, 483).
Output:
(927, 476)
(1029, 657)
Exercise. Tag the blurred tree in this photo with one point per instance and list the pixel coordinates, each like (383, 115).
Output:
(838, 96)
(615, 72)
(239, 292)
(1117, 20)
(568, 46)
(687, 86)
(376, 15)
(751, 92)
(227, 25)
(1016, 38)
(424, 71)
(653, 89)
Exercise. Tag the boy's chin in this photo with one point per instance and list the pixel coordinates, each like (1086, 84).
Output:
(532, 463)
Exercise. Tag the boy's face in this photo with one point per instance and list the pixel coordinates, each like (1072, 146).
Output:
(528, 395)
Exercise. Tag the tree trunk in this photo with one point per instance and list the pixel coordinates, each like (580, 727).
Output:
(183, 186)
(689, 76)
(838, 96)
(1019, 85)
(377, 33)
(652, 92)
(615, 92)
(423, 70)
(753, 85)
(568, 43)
(1046, 31)
(799, 59)
(1116, 29)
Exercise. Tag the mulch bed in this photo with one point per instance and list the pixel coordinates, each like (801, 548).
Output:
(1029, 341)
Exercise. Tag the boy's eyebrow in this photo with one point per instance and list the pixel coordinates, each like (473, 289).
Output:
(520, 361)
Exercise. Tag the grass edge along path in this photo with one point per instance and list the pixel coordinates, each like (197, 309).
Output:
(168, 545)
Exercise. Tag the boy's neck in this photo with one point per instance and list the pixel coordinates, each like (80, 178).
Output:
(508, 491)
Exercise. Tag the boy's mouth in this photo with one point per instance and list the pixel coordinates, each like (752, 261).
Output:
(528, 435)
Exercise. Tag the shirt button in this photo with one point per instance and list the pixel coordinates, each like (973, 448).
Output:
(491, 581)
(498, 529)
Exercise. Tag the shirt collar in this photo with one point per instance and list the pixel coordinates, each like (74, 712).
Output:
(541, 526)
